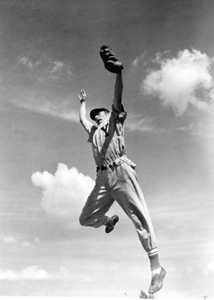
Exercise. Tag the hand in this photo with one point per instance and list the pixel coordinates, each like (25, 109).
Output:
(82, 96)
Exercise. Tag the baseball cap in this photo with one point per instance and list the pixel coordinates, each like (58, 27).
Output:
(96, 111)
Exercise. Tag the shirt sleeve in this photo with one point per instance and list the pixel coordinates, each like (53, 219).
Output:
(91, 134)
(119, 116)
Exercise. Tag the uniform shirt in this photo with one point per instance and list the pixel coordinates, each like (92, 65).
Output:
(108, 144)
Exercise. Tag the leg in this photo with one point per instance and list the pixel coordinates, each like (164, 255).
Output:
(128, 194)
(97, 204)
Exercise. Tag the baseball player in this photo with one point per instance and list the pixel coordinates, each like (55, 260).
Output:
(116, 175)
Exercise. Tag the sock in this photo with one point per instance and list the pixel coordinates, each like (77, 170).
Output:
(108, 222)
(154, 259)
(156, 271)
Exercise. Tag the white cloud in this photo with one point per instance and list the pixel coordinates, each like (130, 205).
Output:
(137, 61)
(6, 239)
(139, 123)
(203, 127)
(45, 68)
(44, 107)
(64, 193)
(30, 273)
(55, 69)
(210, 268)
(25, 61)
(35, 273)
(179, 79)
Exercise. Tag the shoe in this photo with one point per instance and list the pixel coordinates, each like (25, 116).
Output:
(111, 223)
(157, 281)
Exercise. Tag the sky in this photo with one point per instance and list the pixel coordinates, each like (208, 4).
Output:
(49, 51)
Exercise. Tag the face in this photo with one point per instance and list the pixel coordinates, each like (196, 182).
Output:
(100, 116)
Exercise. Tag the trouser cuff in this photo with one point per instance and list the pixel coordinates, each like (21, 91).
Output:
(107, 220)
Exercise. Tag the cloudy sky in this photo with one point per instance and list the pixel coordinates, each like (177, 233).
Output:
(49, 50)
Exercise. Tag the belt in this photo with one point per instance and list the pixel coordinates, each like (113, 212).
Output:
(114, 164)
(106, 167)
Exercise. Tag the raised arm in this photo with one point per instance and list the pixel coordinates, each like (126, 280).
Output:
(118, 90)
(82, 112)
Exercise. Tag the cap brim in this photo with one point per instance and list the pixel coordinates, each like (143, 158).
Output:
(96, 111)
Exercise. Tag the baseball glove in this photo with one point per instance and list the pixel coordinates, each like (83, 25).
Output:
(111, 62)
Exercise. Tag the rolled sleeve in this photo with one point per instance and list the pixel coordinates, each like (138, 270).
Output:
(91, 134)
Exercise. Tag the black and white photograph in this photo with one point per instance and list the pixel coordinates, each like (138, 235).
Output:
(107, 149)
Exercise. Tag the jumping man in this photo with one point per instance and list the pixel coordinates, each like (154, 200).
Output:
(116, 175)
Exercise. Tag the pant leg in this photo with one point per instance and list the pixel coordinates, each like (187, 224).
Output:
(127, 192)
(97, 204)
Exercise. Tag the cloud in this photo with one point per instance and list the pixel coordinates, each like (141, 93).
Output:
(6, 239)
(35, 273)
(64, 193)
(203, 127)
(30, 273)
(143, 60)
(25, 61)
(55, 69)
(139, 123)
(210, 268)
(43, 106)
(137, 61)
(45, 69)
(179, 80)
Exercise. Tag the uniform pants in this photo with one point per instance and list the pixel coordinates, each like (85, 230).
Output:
(119, 183)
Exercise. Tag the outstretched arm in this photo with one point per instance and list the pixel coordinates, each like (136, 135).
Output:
(82, 112)
(118, 90)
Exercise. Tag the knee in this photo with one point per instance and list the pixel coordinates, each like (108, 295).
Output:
(89, 221)
(82, 220)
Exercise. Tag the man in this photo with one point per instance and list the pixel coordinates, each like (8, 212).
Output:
(116, 176)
